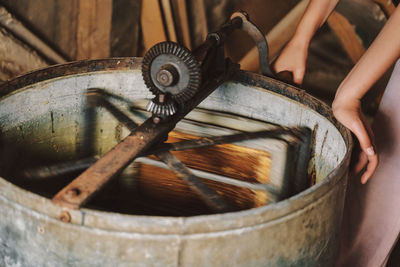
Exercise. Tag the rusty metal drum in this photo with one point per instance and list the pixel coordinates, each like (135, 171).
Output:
(42, 111)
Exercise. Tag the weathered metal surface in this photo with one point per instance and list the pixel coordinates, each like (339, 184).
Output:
(47, 107)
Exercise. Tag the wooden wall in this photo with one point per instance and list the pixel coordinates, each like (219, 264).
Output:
(81, 29)
(53, 21)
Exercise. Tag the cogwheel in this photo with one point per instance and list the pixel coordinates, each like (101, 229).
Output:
(159, 109)
(169, 68)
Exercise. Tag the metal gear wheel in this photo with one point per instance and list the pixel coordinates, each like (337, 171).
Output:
(169, 68)
(163, 109)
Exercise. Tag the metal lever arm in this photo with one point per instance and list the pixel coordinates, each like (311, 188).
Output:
(260, 41)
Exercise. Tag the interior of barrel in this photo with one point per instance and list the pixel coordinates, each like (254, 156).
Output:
(50, 124)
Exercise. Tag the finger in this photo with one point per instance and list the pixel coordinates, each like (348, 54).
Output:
(360, 131)
(369, 130)
(361, 163)
(371, 167)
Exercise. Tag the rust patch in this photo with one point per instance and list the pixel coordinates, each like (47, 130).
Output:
(52, 121)
(324, 141)
(312, 173)
(118, 132)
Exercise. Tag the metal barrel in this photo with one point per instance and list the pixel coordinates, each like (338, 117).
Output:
(43, 111)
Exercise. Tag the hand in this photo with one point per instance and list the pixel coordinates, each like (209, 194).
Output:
(293, 59)
(348, 112)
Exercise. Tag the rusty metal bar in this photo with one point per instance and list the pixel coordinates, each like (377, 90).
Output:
(80, 190)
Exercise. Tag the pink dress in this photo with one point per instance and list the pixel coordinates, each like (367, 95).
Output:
(371, 223)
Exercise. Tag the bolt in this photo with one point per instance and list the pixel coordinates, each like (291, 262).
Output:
(156, 120)
(165, 78)
(65, 216)
(167, 75)
(74, 192)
